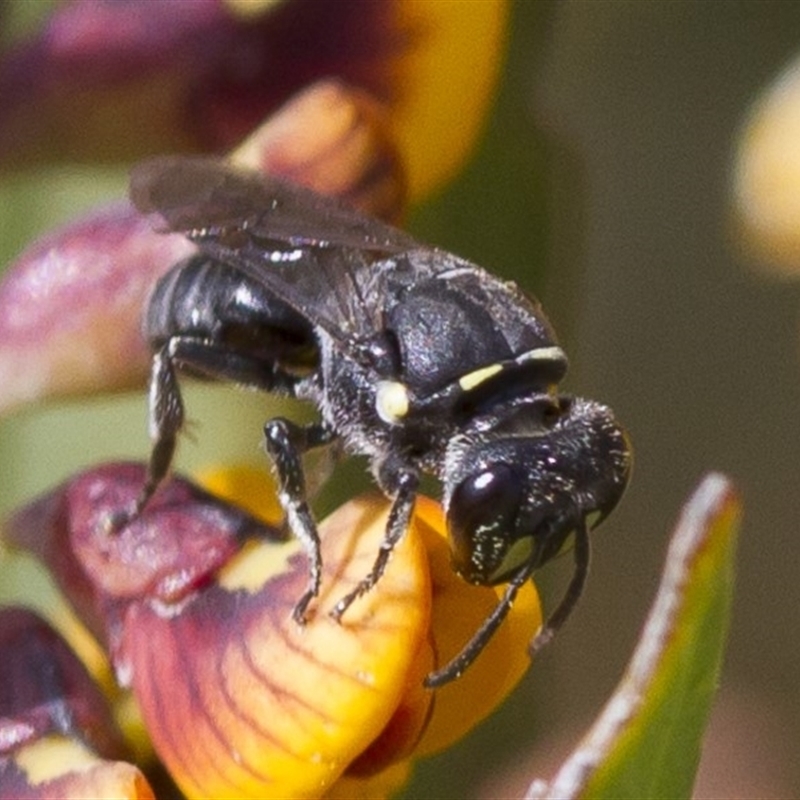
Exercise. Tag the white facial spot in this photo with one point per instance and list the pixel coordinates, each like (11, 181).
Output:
(391, 401)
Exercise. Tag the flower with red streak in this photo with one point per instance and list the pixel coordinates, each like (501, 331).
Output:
(193, 601)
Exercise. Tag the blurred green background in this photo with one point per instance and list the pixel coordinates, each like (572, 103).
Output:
(602, 185)
(624, 116)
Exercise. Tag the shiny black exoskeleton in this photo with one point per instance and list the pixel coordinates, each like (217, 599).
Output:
(421, 361)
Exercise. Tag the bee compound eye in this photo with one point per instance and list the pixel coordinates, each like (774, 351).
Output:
(481, 522)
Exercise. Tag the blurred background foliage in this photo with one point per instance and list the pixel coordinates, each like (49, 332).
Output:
(603, 185)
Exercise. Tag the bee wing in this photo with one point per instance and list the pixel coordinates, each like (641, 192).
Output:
(310, 250)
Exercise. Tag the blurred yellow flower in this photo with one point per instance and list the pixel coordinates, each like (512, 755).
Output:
(766, 175)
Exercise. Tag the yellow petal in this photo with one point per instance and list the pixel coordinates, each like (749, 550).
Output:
(767, 175)
(57, 766)
(376, 787)
(458, 611)
(249, 487)
(241, 701)
(445, 84)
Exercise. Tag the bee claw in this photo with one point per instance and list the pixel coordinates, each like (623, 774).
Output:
(299, 614)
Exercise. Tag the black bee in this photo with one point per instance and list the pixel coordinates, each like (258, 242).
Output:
(414, 357)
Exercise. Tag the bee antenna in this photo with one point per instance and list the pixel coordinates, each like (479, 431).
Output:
(573, 593)
(472, 649)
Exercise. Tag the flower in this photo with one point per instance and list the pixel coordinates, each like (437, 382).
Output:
(193, 602)
(766, 176)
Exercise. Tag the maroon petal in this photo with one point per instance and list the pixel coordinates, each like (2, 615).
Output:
(71, 305)
(44, 689)
(57, 735)
(205, 74)
(162, 555)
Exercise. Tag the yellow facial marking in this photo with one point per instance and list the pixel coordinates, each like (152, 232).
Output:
(553, 353)
(391, 401)
(473, 379)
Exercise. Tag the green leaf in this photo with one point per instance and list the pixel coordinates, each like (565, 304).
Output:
(646, 742)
